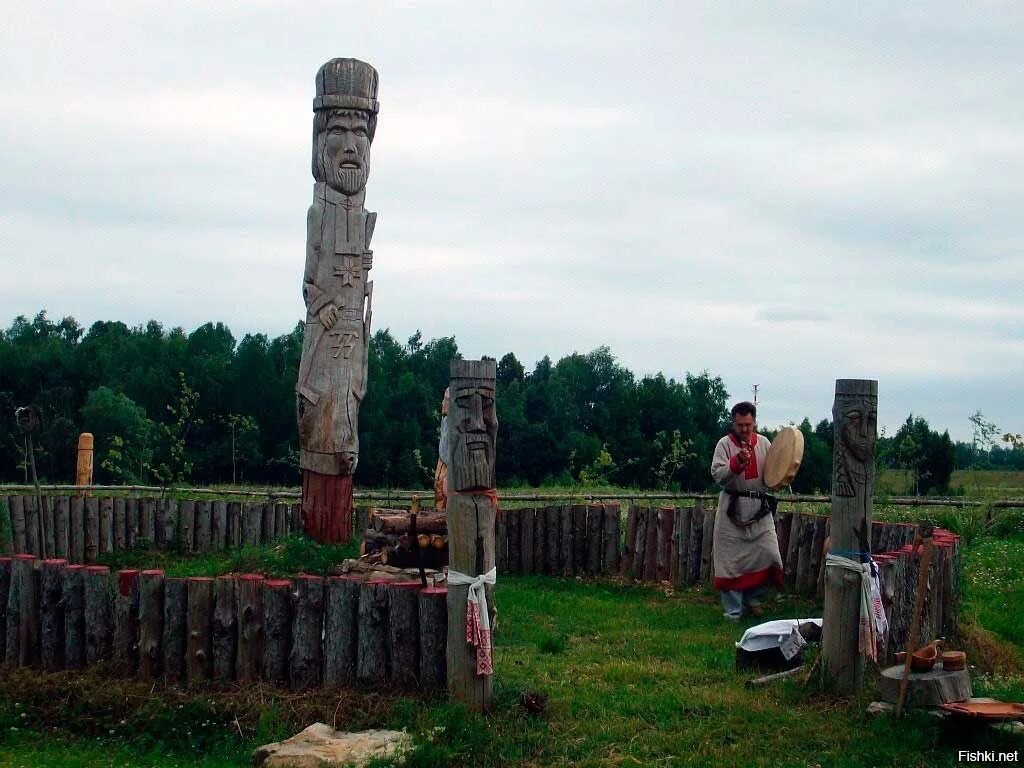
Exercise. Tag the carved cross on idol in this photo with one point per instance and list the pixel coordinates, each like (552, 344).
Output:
(338, 296)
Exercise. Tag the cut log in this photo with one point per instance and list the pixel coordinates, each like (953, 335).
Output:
(234, 538)
(804, 578)
(106, 525)
(579, 538)
(132, 527)
(92, 529)
(684, 515)
(400, 523)
(372, 657)
(640, 543)
(73, 603)
(204, 527)
(199, 628)
(565, 545)
(277, 630)
(249, 592)
(595, 527)
(225, 629)
(340, 630)
(219, 525)
(513, 517)
(126, 622)
(433, 636)
(169, 524)
(612, 539)
(12, 628)
(403, 634)
(501, 544)
(151, 624)
(24, 575)
(540, 539)
(33, 545)
(280, 520)
(629, 542)
(48, 514)
(673, 558)
(663, 542)
(696, 542)
(817, 560)
(120, 524)
(791, 557)
(295, 518)
(306, 660)
(187, 525)
(268, 525)
(76, 530)
(61, 523)
(175, 634)
(147, 522)
(51, 615)
(16, 505)
(552, 532)
(527, 518)
(252, 524)
(5, 590)
(926, 689)
(99, 614)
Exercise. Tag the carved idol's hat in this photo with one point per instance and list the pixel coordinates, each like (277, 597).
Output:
(346, 84)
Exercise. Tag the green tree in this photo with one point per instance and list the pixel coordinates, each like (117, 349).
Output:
(124, 435)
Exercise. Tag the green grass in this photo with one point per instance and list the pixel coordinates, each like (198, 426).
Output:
(994, 586)
(634, 675)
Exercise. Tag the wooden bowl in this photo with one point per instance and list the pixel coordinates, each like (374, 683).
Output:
(924, 660)
(953, 661)
(901, 657)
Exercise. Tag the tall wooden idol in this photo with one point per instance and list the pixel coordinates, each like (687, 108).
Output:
(846, 630)
(338, 295)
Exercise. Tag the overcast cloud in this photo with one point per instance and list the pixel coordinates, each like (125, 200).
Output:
(779, 194)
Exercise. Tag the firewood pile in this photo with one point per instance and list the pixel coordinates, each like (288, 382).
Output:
(402, 539)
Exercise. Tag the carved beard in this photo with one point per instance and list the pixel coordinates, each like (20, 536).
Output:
(472, 461)
(348, 181)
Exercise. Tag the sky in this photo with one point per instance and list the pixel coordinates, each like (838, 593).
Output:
(781, 194)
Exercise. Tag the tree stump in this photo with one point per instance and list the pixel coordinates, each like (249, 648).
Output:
(403, 634)
(225, 629)
(199, 627)
(340, 630)
(175, 635)
(433, 633)
(151, 624)
(372, 656)
(73, 600)
(126, 621)
(926, 689)
(249, 591)
(99, 615)
(51, 616)
(277, 630)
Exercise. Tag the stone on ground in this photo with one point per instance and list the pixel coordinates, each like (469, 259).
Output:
(320, 745)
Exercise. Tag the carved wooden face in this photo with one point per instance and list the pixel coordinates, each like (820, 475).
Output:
(346, 151)
(474, 427)
(859, 429)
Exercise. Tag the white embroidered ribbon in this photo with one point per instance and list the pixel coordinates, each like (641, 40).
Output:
(870, 626)
(478, 618)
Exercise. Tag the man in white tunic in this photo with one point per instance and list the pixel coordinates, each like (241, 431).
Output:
(746, 549)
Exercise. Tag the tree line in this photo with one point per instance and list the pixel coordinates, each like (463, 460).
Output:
(168, 406)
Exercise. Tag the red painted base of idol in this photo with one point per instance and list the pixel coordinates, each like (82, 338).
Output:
(327, 507)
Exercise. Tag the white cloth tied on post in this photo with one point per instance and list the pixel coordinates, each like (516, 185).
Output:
(478, 618)
(873, 625)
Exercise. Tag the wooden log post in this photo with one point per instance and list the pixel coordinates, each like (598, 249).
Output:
(500, 540)
(99, 615)
(340, 630)
(51, 615)
(552, 533)
(225, 629)
(126, 621)
(92, 529)
(403, 634)
(696, 542)
(268, 524)
(84, 463)
(629, 542)
(305, 664)
(673, 557)
(61, 524)
(199, 628)
(612, 539)
(33, 543)
(12, 615)
(147, 521)
(175, 633)
(513, 519)
(76, 531)
(433, 637)
(666, 522)
(280, 520)
(132, 527)
(540, 540)
(234, 530)
(595, 528)
(804, 577)
(151, 624)
(472, 506)
(106, 525)
(527, 518)
(24, 574)
(565, 544)
(252, 524)
(854, 414)
(187, 525)
(277, 630)
(817, 560)
(204, 527)
(640, 542)
(579, 538)
(120, 524)
(5, 589)
(167, 532)
(685, 514)
(707, 555)
(73, 600)
(219, 525)
(372, 653)
(16, 506)
(249, 591)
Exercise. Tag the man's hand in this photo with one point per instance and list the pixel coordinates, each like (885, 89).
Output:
(744, 455)
(328, 316)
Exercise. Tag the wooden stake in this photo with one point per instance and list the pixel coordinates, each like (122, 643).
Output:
(340, 630)
(99, 614)
(225, 629)
(73, 603)
(175, 635)
(126, 621)
(51, 619)
(151, 624)
(306, 661)
(250, 627)
(433, 634)
(199, 628)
